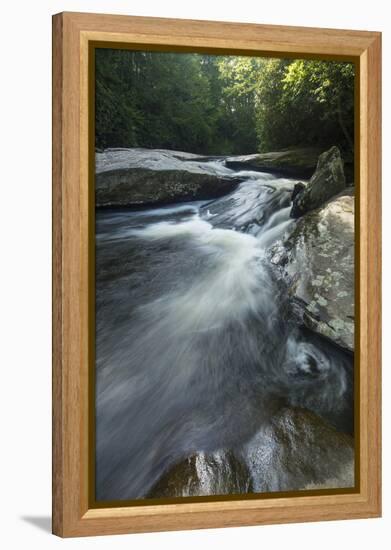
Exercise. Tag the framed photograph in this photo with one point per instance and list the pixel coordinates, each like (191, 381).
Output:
(216, 274)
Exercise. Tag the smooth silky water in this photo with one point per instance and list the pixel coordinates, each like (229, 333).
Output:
(192, 350)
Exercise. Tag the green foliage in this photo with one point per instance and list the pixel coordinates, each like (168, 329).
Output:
(238, 81)
(304, 102)
(220, 104)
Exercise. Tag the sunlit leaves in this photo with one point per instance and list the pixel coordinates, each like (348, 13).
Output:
(221, 104)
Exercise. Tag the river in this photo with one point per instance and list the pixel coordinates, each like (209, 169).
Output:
(193, 350)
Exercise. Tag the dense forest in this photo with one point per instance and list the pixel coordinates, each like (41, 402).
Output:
(221, 104)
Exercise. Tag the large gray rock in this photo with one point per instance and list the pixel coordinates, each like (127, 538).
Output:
(316, 262)
(327, 181)
(298, 450)
(218, 473)
(297, 163)
(131, 177)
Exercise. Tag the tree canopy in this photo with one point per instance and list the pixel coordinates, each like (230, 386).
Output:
(221, 104)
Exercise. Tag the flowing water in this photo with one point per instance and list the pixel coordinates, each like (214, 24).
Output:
(192, 352)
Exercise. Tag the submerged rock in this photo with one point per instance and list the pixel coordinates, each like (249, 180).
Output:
(218, 473)
(251, 206)
(299, 162)
(316, 262)
(298, 450)
(131, 177)
(327, 181)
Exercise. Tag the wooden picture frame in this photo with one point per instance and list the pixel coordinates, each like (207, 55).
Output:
(73, 35)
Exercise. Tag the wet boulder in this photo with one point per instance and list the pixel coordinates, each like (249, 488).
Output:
(316, 263)
(218, 473)
(327, 181)
(297, 450)
(296, 163)
(133, 177)
(297, 188)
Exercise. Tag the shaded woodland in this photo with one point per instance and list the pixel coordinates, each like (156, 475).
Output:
(221, 105)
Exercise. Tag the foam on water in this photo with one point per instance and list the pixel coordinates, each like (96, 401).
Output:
(199, 366)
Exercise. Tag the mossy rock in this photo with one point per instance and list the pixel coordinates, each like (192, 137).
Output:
(316, 263)
(327, 181)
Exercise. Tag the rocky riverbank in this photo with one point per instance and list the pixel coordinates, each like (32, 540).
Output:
(293, 162)
(316, 260)
(140, 177)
